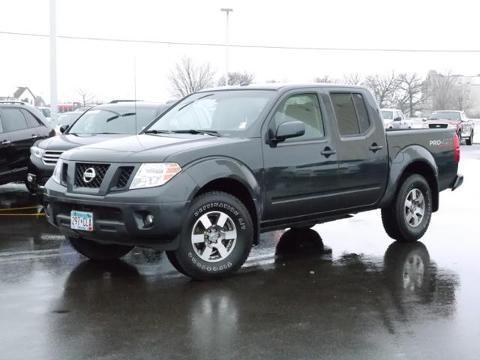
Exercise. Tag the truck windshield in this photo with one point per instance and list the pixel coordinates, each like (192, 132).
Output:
(387, 115)
(220, 111)
(444, 115)
(113, 121)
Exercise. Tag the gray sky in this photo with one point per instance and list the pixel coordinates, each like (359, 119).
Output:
(106, 69)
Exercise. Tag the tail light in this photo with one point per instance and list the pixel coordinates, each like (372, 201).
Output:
(456, 143)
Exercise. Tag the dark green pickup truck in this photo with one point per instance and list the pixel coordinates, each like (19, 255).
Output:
(221, 166)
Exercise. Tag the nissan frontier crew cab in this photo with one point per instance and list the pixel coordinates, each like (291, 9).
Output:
(223, 165)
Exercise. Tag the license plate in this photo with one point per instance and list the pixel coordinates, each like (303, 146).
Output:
(81, 220)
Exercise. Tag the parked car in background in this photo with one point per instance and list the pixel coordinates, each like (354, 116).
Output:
(395, 119)
(67, 119)
(21, 125)
(453, 119)
(97, 124)
(223, 165)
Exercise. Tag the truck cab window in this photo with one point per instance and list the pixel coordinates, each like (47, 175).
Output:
(304, 108)
(351, 113)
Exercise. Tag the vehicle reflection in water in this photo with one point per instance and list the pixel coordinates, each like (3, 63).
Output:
(304, 292)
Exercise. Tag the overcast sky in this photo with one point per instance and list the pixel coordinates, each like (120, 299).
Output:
(106, 69)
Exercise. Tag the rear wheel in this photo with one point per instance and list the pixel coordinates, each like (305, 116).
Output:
(216, 238)
(100, 252)
(409, 215)
(469, 140)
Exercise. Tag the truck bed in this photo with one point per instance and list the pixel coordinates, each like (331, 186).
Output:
(437, 142)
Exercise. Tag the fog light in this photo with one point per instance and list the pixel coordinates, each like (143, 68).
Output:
(148, 220)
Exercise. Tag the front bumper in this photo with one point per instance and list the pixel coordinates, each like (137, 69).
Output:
(38, 172)
(119, 218)
(457, 182)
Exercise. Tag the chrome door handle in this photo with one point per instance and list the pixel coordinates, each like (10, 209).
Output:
(6, 142)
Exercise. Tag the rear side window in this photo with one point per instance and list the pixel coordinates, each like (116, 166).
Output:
(32, 121)
(351, 113)
(363, 119)
(13, 120)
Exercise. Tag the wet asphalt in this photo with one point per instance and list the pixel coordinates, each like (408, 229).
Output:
(341, 291)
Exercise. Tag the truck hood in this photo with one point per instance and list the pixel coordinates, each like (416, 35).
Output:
(66, 142)
(147, 148)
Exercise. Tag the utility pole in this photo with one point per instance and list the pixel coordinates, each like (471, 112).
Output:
(227, 42)
(53, 61)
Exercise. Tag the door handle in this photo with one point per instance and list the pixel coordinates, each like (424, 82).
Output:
(375, 147)
(327, 152)
(6, 142)
(34, 136)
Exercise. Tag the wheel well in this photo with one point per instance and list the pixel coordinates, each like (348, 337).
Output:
(422, 168)
(240, 191)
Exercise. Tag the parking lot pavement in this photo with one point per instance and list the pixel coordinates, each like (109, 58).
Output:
(365, 298)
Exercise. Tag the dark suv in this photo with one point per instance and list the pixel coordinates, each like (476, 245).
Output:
(99, 123)
(21, 125)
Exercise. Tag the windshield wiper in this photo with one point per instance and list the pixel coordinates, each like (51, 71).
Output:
(157, 132)
(195, 131)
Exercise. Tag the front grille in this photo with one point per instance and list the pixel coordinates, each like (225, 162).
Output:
(438, 126)
(94, 182)
(50, 157)
(124, 176)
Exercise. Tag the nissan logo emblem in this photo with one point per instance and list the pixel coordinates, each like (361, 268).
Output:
(89, 175)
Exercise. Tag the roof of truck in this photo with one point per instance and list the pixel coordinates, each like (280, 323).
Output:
(282, 86)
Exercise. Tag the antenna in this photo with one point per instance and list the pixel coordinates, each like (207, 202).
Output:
(135, 91)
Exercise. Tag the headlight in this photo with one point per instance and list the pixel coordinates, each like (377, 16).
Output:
(57, 172)
(150, 175)
(37, 152)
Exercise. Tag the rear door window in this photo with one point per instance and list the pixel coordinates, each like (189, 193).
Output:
(32, 121)
(13, 120)
(351, 113)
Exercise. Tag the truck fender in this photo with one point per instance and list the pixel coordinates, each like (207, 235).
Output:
(411, 159)
(215, 170)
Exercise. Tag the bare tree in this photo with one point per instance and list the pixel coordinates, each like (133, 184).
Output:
(445, 91)
(352, 79)
(86, 96)
(237, 78)
(411, 85)
(323, 79)
(188, 78)
(384, 87)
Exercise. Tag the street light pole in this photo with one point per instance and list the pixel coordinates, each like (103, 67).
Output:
(227, 42)
(53, 61)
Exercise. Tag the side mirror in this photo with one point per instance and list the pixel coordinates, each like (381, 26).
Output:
(63, 128)
(397, 119)
(289, 129)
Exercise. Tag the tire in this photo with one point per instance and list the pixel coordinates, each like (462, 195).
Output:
(469, 141)
(216, 238)
(173, 260)
(404, 223)
(30, 188)
(99, 252)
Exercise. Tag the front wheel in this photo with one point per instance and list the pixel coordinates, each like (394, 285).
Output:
(408, 217)
(216, 238)
(99, 252)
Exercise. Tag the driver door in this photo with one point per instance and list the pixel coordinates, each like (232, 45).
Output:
(301, 172)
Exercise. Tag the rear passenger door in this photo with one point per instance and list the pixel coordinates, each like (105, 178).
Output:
(362, 149)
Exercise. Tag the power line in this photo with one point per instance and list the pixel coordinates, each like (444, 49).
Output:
(246, 46)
